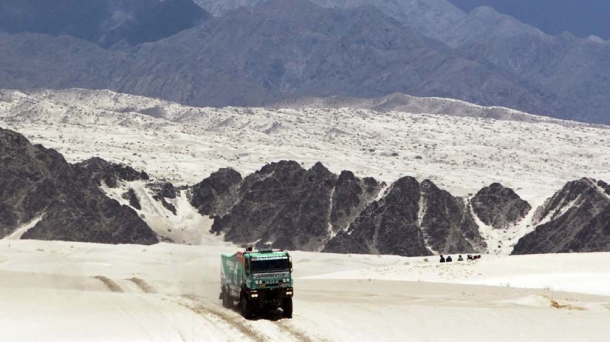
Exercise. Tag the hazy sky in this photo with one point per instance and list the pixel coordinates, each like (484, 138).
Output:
(581, 17)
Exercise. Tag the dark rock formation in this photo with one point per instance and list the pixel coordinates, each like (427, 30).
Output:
(282, 206)
(387, 226)
(499, 207)
(163, 189)
(217, 194)
(447, 222)
(350, 197)
(38, 182)
(110, 173)
(604, 186)
(131, 196)
(165, 203)
(575, 219)
(407, 220)
(168, 191)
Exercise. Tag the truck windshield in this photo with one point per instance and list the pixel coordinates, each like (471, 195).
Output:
(269, 265)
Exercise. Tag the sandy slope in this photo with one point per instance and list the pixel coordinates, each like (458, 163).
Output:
(71, 291)
(185, 144)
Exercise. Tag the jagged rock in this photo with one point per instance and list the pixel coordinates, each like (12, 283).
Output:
(447, 222)
(38, 182)
(387, 226)
(217, 194)
(286, 206)
(573, 220)
(131, 196)
(499, 207)
(351, 195)
(604, 186)
(162, 189)
(165, 203)
(410, 217)
(282, 206)
(110, 173)
(168, 191)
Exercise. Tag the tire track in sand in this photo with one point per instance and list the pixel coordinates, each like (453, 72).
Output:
(244, 327)
(144, 286)
(237, 322)
(110, 284)
(295, 333)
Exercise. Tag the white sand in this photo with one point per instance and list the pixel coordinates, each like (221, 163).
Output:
(60, 291)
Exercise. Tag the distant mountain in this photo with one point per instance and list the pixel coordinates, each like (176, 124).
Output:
(45, 198)
(554, 17)
(432, 18)
(256, 56)
(575, 70)
(104, 22)
(570, 73)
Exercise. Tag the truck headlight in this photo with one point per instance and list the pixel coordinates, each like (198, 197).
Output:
(254, 295)
(289, 293)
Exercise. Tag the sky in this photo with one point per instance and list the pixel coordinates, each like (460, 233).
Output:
(580, 17)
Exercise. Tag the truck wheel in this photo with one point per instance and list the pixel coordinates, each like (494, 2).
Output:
(287, 307)
(226, 299)
(246, 308)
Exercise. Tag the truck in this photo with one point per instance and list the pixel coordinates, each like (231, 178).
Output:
(258, 281)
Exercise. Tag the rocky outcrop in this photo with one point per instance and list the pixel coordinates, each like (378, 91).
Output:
(447, 222)
(575, 219)
(217, 194)
(36, 182)
(387, 226)
(499, 207)
(282, 206)
(109, 173)
(131, 196)
(350, 197)
(411, 219)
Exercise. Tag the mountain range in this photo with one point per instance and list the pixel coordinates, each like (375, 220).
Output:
(283, 205)
(552, 16)
(104, 22)
(266, 52)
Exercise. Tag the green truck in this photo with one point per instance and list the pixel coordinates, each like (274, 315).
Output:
(257, 281)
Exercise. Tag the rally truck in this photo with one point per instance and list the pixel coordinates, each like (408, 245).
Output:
(258, 281)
